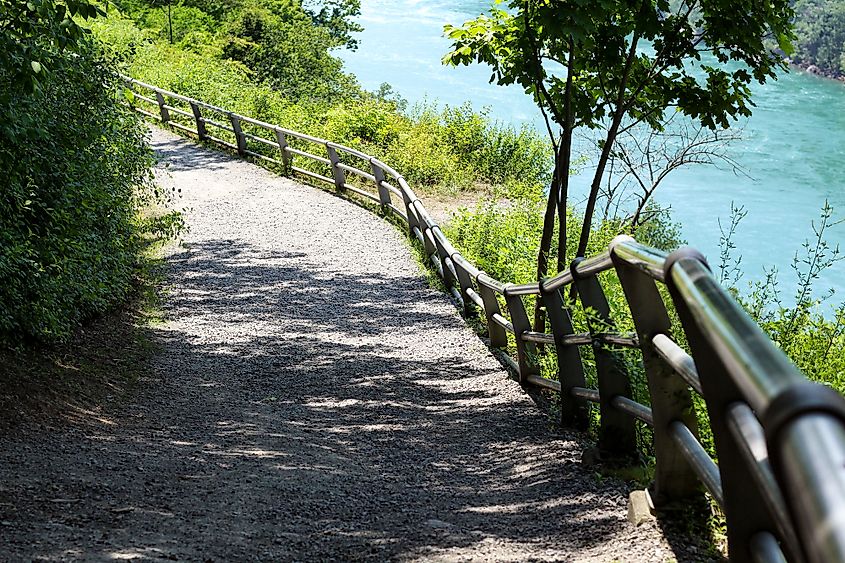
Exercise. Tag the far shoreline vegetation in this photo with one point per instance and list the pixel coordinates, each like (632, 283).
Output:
(820, 37)
(814, 70)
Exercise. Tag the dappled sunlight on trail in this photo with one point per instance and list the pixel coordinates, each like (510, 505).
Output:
(311, 398)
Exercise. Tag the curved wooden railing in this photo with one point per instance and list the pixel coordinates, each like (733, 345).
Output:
(780, 440)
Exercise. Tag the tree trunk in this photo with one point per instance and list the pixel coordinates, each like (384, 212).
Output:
(563, 172)
(618, 114)
(546, 245)
(559, 191)
(169, 23)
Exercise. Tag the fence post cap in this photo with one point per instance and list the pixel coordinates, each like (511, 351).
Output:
(619, 239)
(801, 398)
(682, 253)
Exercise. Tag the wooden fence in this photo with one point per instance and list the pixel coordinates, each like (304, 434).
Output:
(780, 439)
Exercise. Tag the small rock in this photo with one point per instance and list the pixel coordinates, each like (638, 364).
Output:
(439, 524)
(640, 507)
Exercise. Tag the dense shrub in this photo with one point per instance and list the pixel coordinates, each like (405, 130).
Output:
(72, 159)
(292, 57)
(286, 45)
(503, 238)
(183, 21)
(499, 151)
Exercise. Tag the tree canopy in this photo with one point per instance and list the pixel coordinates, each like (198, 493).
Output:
(287, 43)
(34, 33)
(608, 62)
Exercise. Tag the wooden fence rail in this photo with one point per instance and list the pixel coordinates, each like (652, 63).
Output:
(779, 439)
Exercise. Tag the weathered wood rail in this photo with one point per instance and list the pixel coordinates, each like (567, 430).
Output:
(780, 439)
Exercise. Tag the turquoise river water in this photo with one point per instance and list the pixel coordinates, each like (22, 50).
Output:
(793, 147)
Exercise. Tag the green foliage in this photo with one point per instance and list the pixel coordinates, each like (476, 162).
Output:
(184, 20)
(595, 64)
(271, 61)
(595, 41)
(503, 238)
(331, 16)
(499, 151)
(813, 340)
(820, 35)
(73, 160)
(34, 35)
(285, 43)
(426, 159)
(292, 55)
(444, 149)
(335, 16)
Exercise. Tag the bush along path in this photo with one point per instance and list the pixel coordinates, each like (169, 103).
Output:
(311, 398)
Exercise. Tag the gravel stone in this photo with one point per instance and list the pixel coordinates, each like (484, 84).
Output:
(311, 399)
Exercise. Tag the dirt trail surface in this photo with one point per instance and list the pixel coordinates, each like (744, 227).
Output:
(311, 399)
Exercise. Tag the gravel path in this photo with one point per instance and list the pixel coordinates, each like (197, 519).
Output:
(312, 399)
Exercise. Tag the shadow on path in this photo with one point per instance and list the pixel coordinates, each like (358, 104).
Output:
(300, 409)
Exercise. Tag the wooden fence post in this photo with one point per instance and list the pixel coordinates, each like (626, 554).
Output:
(526, 352)
(617, 432)
(281, 138)
(201, 131)
(674, 479)
(337, 172)
(573, 411)
(239, 134)
(165, 114)
(383, 193)
(465, 283)
(498, 336)
(449, 278)
(413, 220)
